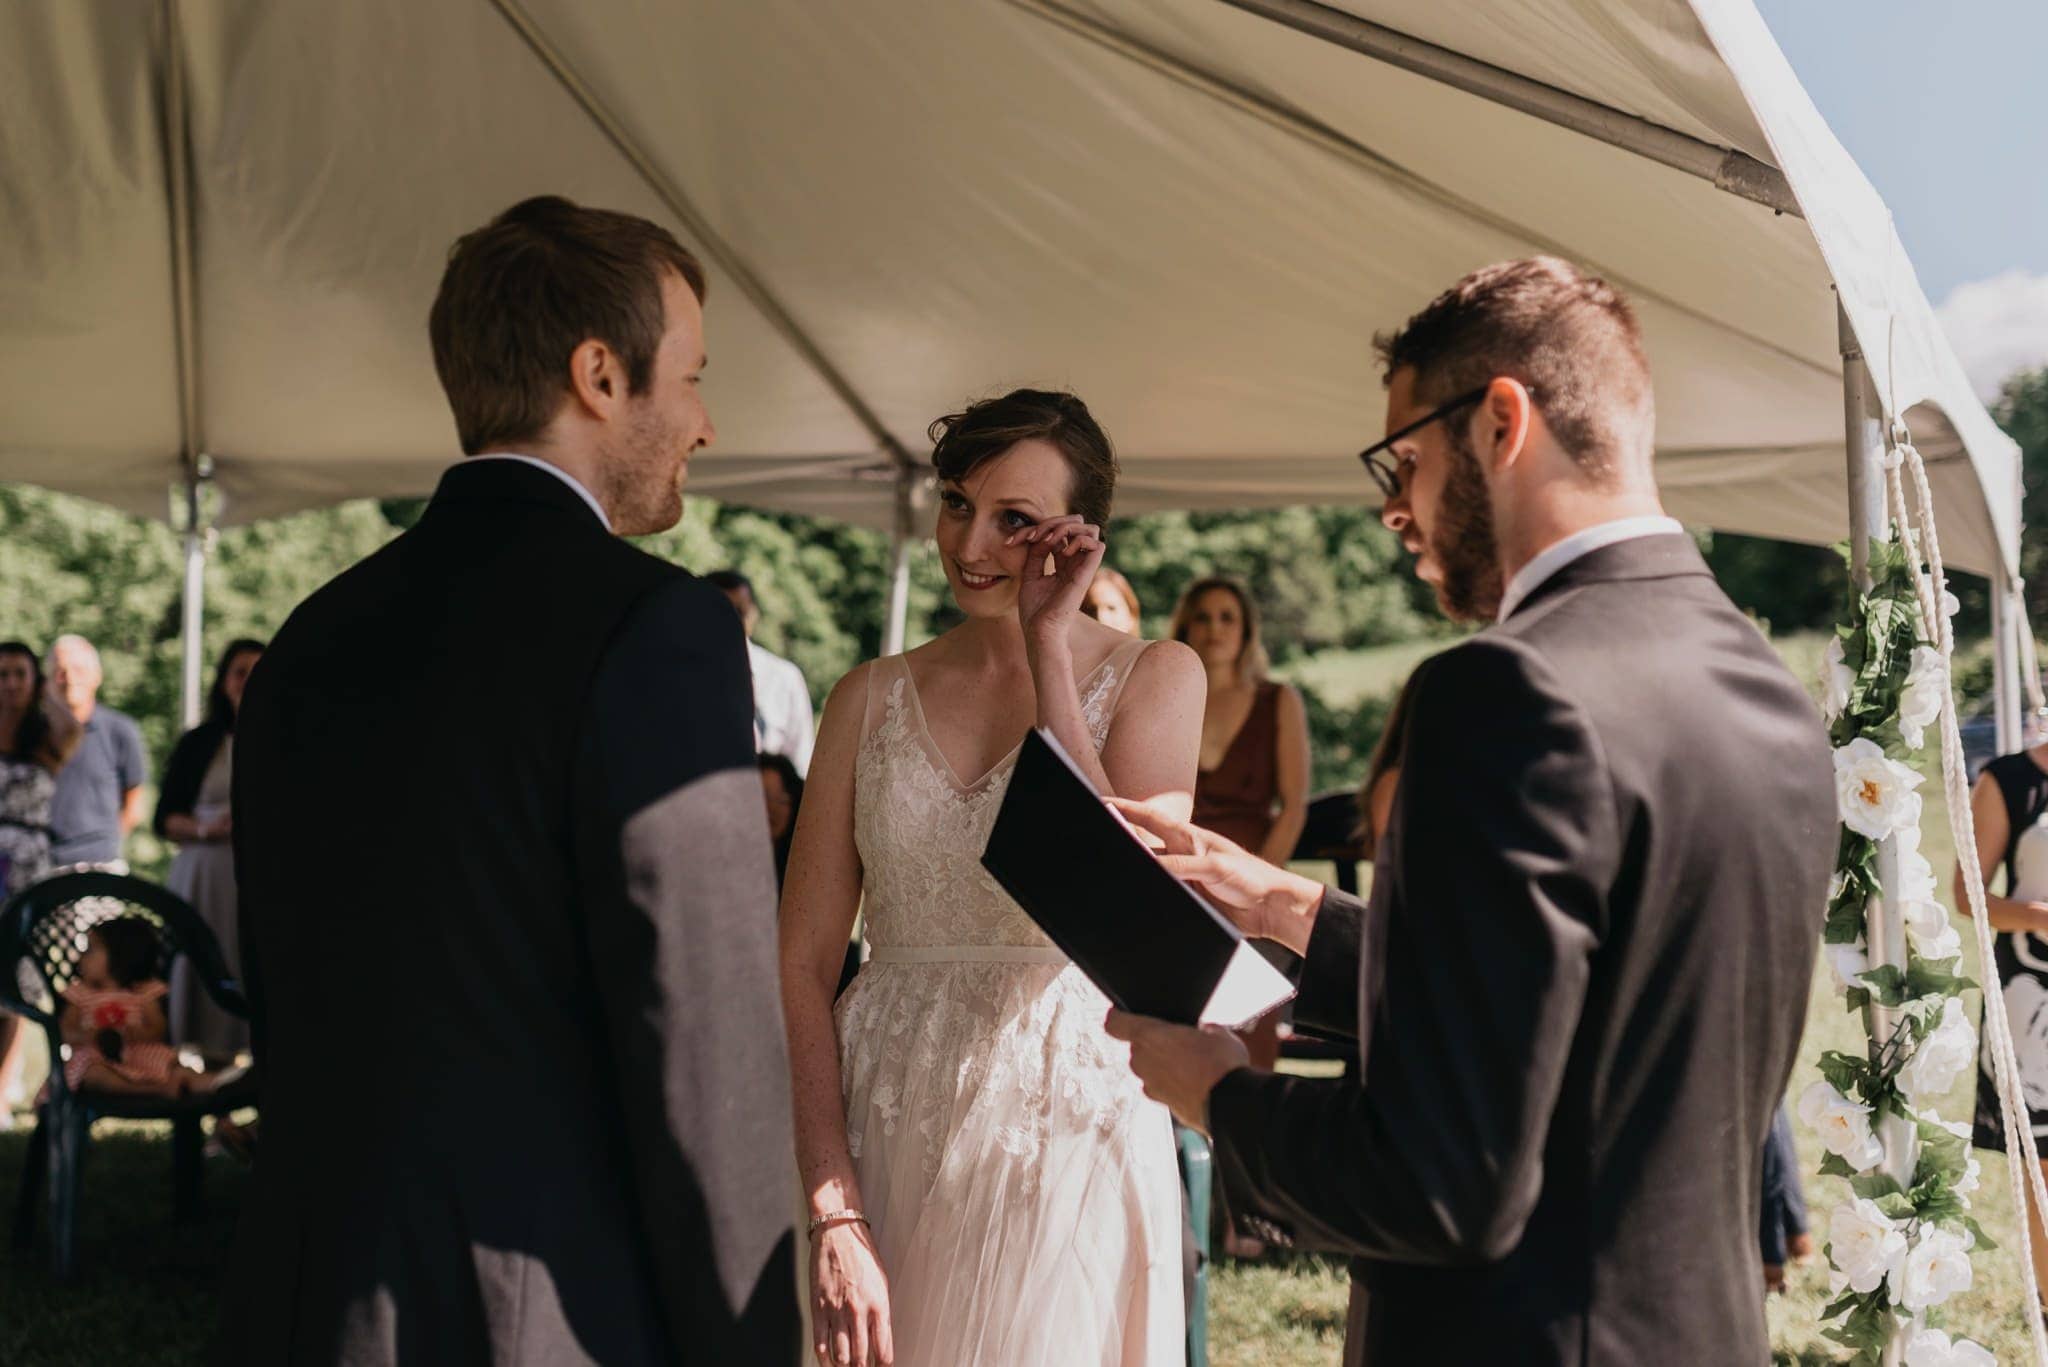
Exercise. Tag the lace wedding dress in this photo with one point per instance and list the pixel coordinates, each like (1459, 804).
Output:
(1022, 1190)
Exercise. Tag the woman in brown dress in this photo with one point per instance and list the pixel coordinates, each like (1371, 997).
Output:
(1252, 786)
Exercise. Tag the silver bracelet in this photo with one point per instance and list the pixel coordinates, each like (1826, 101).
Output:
(835, 1217)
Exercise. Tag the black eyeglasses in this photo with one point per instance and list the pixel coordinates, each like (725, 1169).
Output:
(1387, 474)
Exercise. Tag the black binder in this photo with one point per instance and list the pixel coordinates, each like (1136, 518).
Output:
(1148, 940)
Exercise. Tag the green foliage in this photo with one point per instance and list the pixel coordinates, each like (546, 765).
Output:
(2022, 410)
(1324, 577)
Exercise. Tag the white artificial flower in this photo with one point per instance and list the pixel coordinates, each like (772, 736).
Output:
(1933, 1348)
(1973, 1171)
(1950, 606)
(1937, 1268)
(1926, 690)
(1916, 875)
(1842, 1125)
(1928, 926)
(1874, 794)
(1939, 1059)
(1867, 1245)
(1849, 963)
(1835, 681)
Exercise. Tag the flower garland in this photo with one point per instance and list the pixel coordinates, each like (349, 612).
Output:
(1898, 1249)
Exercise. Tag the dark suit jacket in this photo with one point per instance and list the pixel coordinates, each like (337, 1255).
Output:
(508, 921)
(1578, 987)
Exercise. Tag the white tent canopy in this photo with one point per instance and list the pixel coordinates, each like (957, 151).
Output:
(1193, 214)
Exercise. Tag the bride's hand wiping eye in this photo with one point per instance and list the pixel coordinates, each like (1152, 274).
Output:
(1061, 557)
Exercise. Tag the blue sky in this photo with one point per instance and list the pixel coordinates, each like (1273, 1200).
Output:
(1944, 104)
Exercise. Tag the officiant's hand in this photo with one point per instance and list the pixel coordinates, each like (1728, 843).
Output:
(1179, 1065)
(1047, 603)
(1263, 900)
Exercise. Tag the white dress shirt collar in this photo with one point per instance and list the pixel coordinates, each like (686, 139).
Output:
(558, 472)
(1583, 542)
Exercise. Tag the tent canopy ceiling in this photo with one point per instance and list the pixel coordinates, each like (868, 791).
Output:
(1193, 215)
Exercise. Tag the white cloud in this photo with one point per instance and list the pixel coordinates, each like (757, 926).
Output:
(1998, 326)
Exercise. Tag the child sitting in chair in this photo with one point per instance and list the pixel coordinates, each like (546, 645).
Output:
(114, 1018)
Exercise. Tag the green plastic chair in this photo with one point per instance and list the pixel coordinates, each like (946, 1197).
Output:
(1195, 1164)
(42, 937)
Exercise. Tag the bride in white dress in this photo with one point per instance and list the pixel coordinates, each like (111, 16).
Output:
(987, 1185)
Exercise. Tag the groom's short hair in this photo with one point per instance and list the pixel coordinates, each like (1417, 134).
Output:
(521, 293)
(1567, 335)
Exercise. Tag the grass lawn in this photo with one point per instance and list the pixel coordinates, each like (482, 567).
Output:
(146, 1293)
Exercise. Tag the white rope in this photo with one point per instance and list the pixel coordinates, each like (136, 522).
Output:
(2023, 1159)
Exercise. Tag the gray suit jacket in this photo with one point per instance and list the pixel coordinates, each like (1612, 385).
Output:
(1578, 987)
(508, 926)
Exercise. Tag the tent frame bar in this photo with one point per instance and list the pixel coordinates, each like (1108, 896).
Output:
(714, 244)
(1736, 172)
(1351, 152)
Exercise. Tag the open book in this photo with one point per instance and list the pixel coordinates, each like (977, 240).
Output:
(1148, 940)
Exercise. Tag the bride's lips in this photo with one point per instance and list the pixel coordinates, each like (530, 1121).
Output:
(977, 582)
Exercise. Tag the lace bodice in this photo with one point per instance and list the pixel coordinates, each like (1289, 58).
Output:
(921, 831)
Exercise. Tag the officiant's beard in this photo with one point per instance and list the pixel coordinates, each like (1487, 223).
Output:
(1462, 541)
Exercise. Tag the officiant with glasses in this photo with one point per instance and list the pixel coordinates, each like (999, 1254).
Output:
(1581, 977)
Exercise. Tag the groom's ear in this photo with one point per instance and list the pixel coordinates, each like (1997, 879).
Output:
(597, 378)
(1509, 412)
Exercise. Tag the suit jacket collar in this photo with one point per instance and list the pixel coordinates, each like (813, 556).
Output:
(510, 481)
(1646, 557)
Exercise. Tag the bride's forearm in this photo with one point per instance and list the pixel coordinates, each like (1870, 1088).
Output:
(824, 1160)
(1059, 708)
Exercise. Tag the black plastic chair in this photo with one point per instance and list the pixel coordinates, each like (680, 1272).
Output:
(1331, 832)
(42, 937)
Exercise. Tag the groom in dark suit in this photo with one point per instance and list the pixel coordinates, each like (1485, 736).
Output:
(507, 895)
(1580, 981)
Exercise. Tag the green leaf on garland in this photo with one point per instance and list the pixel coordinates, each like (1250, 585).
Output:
(1887, 984)
(1844, 1072)
(1834, 1165)
(1871, 1185)
(1984, 1240)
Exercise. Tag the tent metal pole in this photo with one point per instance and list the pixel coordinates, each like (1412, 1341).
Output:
(2005, 663)
(1736, 172)
(194, 465)
(192, 623)
(902, 535)
(1869, 519)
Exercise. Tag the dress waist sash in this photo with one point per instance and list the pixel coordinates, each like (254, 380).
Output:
(966, 954)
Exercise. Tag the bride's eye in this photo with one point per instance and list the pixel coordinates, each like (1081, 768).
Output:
(951, 501)
(1017, 521)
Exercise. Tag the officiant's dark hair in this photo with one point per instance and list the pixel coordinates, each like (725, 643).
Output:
(525, 290)
(965, 440)
(1569, 337)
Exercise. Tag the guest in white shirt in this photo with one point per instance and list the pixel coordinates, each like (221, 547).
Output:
(783, 723)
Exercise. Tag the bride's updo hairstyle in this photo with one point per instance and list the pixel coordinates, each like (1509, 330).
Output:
(962, 442)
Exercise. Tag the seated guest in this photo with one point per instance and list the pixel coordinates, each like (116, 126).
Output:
(99, 793)
(1252, 786)
(783, 722)
(784, 791)
(1783, 1235)
(1113, 602)
(192, 810)
(38, 735)
(113, 1018)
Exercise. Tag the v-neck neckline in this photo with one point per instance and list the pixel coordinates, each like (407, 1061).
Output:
(1237, 735)
(938, 753)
